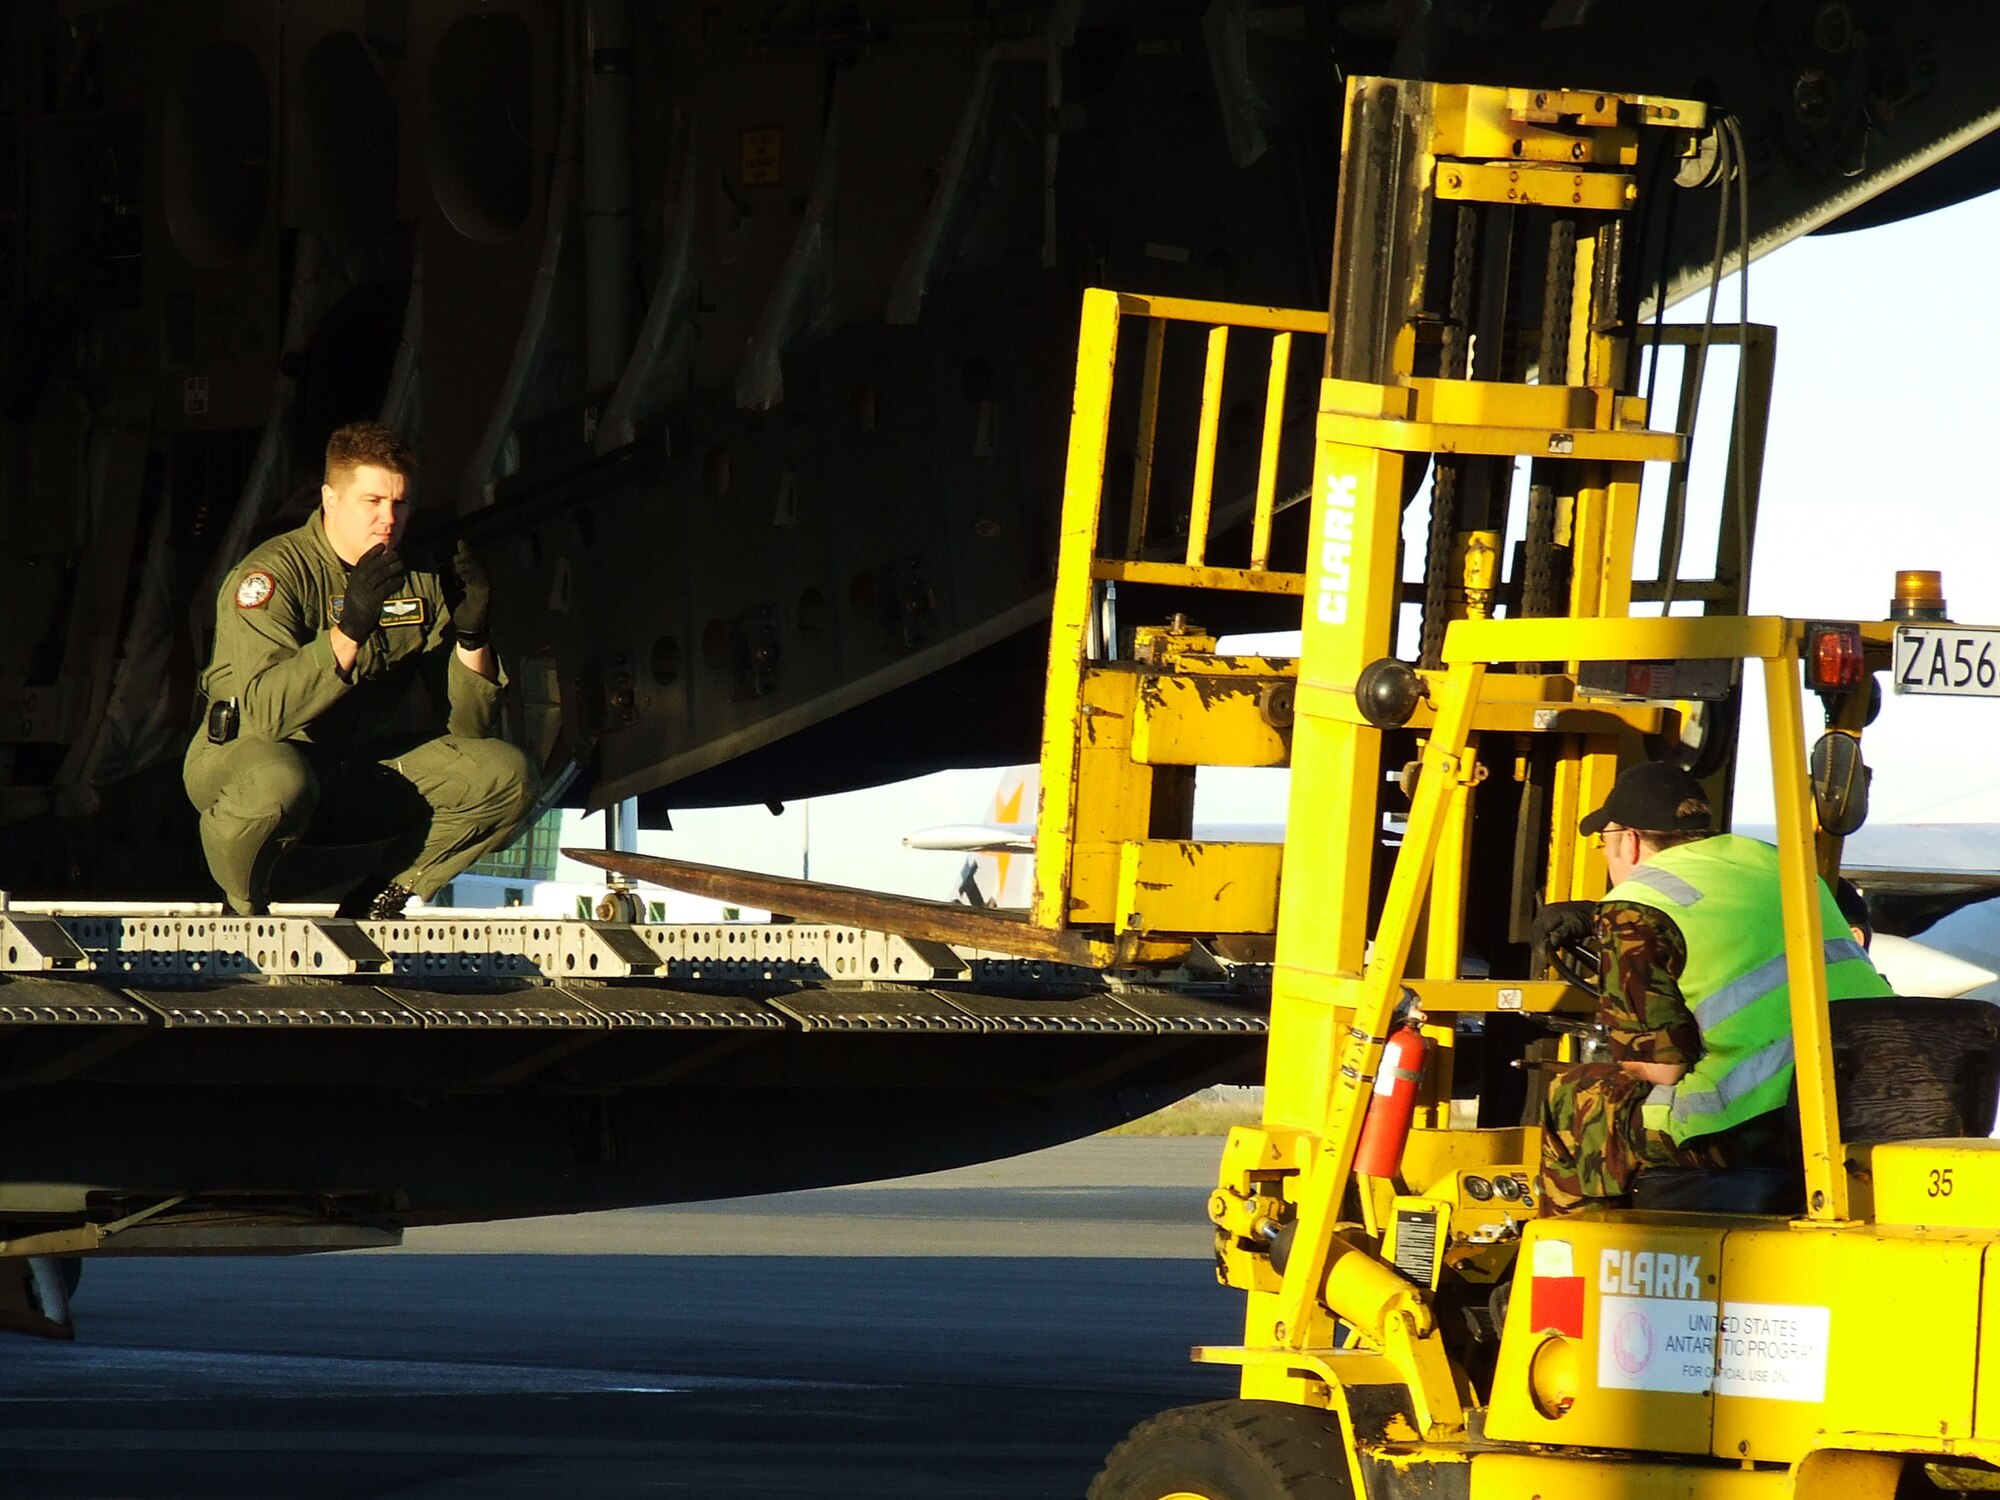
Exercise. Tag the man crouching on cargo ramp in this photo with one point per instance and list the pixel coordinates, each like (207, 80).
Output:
(319, 636)
(1694, 993)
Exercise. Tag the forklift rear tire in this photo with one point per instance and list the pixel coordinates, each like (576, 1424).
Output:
(1230, 1450)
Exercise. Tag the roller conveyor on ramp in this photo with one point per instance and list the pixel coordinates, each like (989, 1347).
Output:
(77, 966)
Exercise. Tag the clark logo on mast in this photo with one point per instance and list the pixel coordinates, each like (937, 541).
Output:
(1336, 549)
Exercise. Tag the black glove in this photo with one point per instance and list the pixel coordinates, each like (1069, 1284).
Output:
(1561, 924)
(369, 584)
(468, 615)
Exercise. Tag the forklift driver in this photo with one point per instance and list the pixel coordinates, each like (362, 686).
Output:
(1691, 951)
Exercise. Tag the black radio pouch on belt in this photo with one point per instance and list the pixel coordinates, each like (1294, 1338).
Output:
(224, 719)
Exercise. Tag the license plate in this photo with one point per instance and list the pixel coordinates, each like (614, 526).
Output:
(1962, 661)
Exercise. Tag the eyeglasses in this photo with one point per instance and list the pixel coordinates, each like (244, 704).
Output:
(1605, 835)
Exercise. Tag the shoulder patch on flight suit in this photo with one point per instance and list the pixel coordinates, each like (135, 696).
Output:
(256, 589)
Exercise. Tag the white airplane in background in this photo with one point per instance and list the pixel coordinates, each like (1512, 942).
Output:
(1939, 879)
(999, 869)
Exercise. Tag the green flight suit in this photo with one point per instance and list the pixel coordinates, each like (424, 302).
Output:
(350, 758)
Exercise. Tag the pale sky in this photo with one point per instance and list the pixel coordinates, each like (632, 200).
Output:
(1875, 462)
(1884, 398)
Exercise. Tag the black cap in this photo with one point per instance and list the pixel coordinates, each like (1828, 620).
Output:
(1658, 797)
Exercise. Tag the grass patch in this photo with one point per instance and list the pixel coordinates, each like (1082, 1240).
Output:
(1196, 1116)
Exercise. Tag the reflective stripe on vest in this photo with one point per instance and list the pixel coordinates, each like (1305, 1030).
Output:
(1666, 883)
(1723, 894)
(1739, 993)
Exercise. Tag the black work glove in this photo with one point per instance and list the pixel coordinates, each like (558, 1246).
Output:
(369, 584)
(1561, 924)
(468, 615)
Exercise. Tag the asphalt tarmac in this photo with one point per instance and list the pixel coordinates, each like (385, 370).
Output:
(990, 1332)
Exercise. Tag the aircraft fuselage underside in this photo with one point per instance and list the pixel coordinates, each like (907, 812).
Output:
(738, 339)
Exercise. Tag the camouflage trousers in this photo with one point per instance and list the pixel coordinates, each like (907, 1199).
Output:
(1595, 1142)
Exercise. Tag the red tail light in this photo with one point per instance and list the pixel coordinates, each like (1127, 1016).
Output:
(1833, 658)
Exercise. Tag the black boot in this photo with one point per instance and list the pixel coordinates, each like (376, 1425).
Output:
(370, 903)
(389, 902)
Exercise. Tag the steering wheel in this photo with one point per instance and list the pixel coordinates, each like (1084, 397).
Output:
(1576, 961)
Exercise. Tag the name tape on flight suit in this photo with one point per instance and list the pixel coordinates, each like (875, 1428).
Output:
(408, 610)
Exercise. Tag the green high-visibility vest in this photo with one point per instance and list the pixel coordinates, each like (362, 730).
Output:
(1722, 893)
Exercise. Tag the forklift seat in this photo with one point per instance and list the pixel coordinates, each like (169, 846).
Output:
(1904, 1068)
(1907, 1068)
(1722, 1190)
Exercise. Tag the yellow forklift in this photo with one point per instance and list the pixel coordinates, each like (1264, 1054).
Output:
(1419, 1330)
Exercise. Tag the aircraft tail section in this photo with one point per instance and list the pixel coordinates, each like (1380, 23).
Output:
(999, 869)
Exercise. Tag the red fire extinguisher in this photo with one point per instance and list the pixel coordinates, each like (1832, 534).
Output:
(1394, 1104)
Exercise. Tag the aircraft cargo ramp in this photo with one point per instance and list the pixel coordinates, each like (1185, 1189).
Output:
(459, 1067)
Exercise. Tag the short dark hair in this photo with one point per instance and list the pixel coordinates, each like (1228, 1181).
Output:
(361, 443)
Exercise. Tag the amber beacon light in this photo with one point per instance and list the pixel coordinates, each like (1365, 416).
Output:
(1919, 595)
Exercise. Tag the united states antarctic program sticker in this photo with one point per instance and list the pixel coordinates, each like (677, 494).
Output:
(255, 591)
